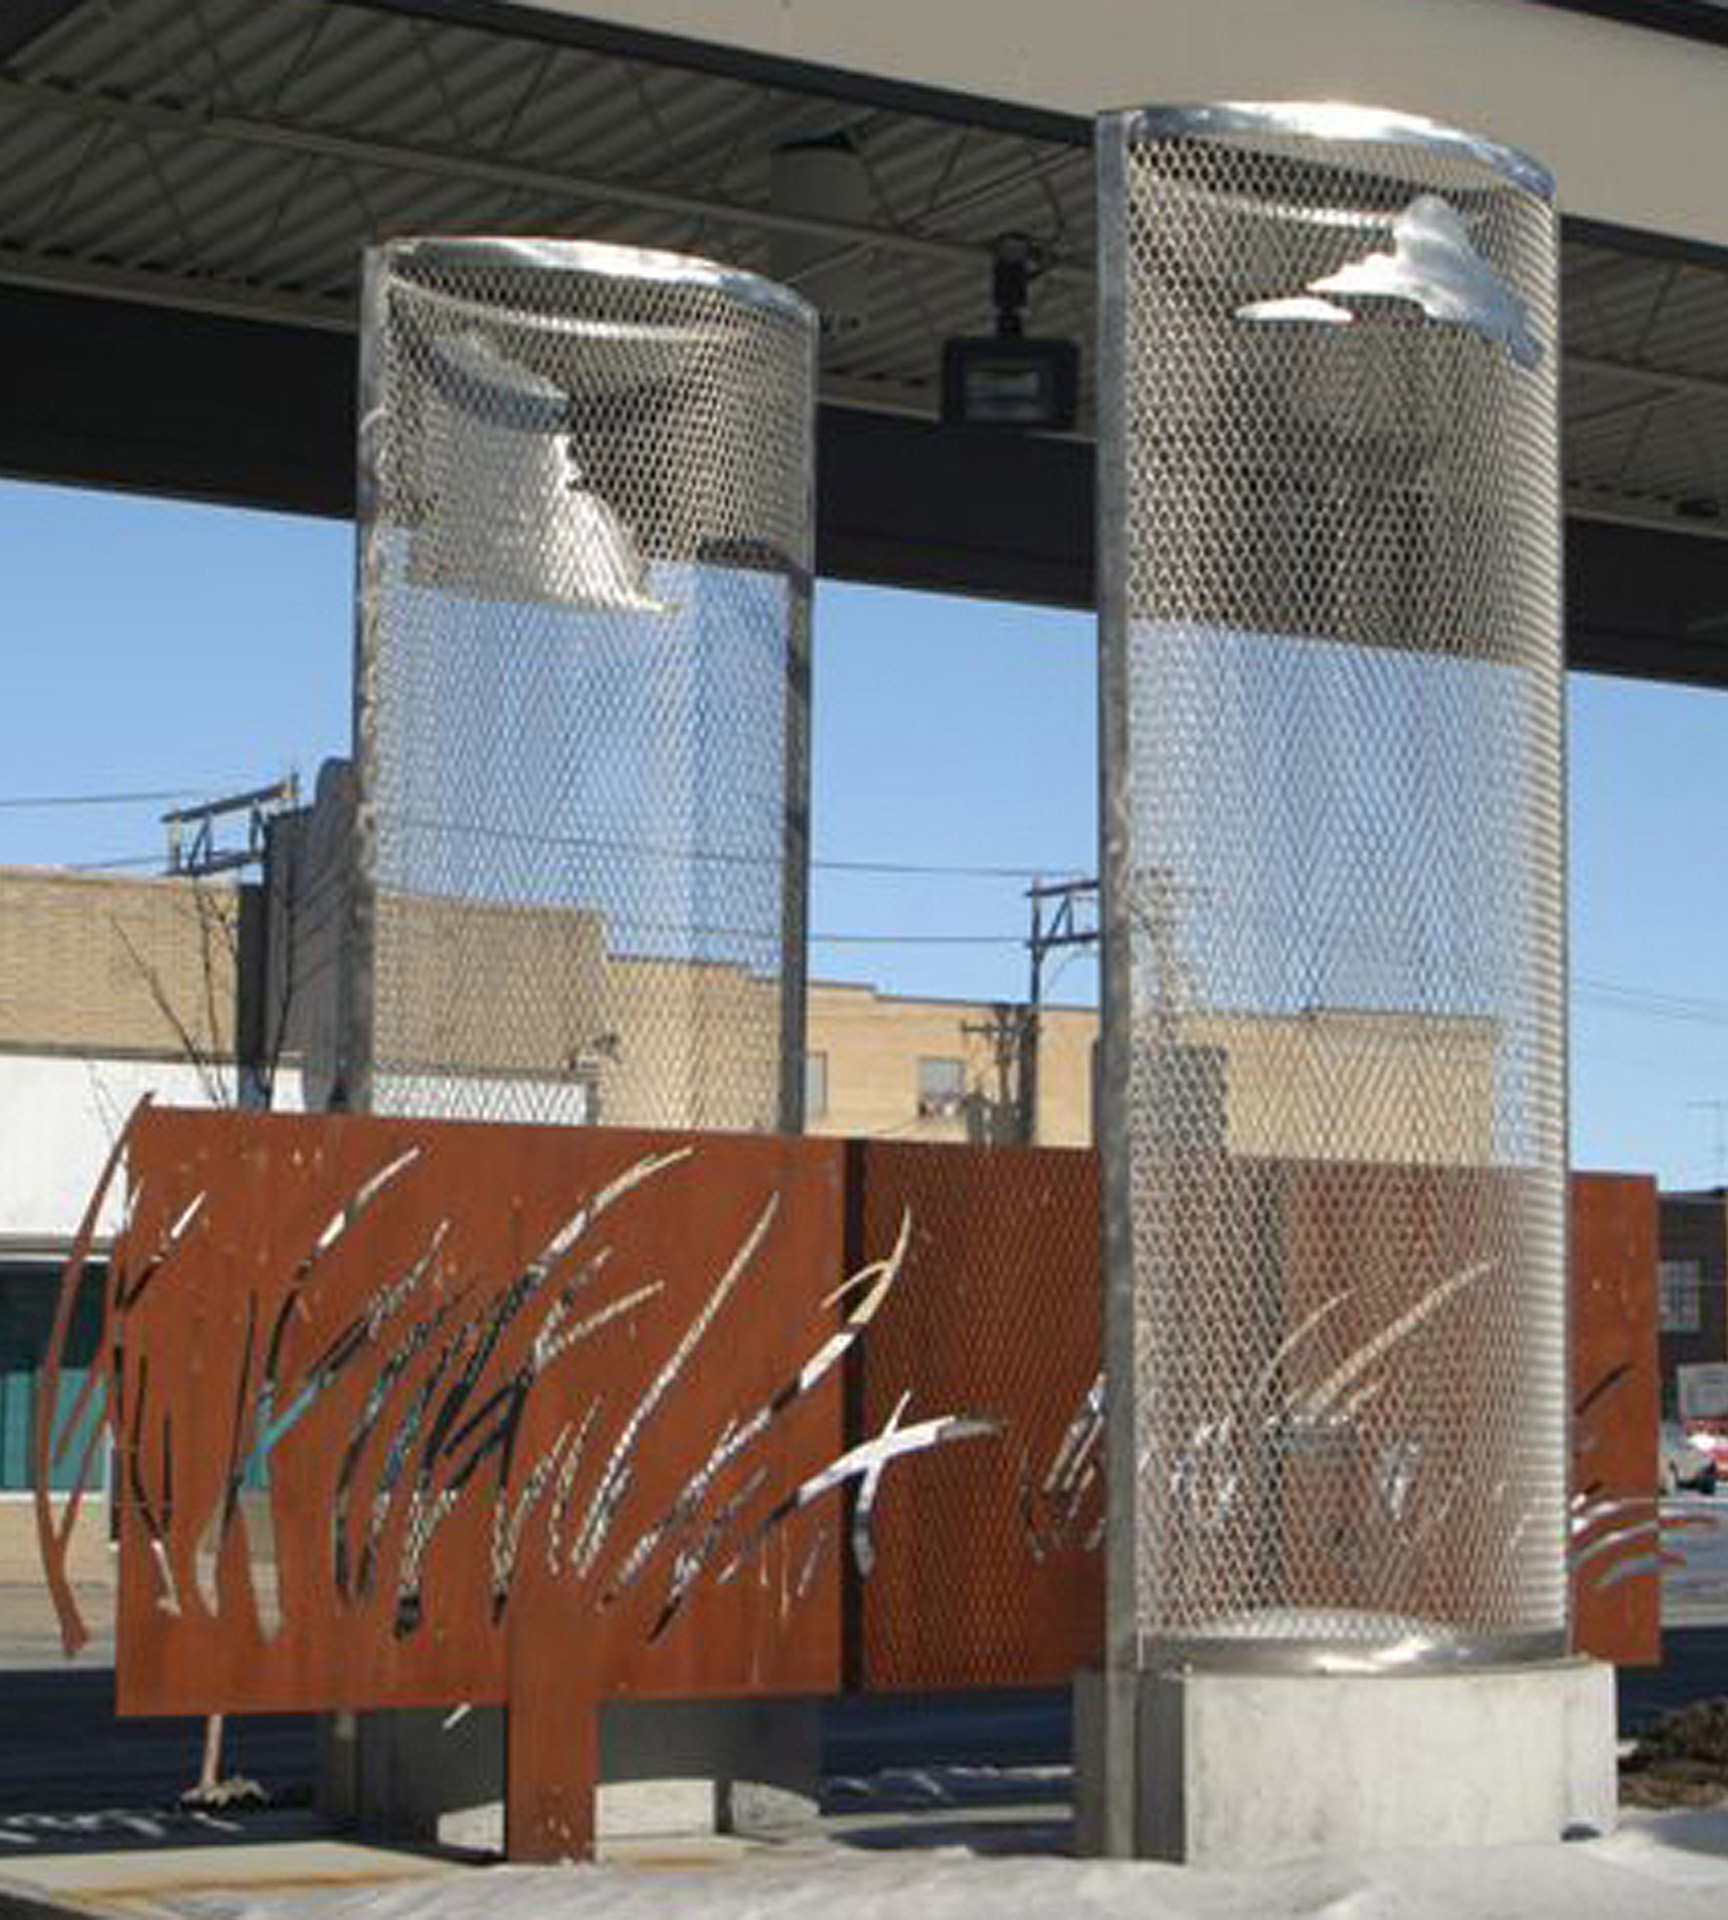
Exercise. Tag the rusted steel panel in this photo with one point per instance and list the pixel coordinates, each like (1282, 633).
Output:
(1616, 1403)
(411, 1413)
(551, 1735)
(373, 1378)
(1338, 1214)
(1402, 1361)
(987, 1564)
(984, 1577)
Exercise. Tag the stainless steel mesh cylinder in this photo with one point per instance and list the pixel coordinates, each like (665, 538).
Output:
(582, 686)
(1334, 999)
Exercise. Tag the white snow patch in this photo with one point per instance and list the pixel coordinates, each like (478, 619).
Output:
(1669, 1864)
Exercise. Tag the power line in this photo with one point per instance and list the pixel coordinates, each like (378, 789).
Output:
(21, 801)
(944, 870)
(693, 931)
(714, 856)
(1606, 994)
(915, 940)
(625, 926)
(595, 843)
(1684, 1009)
(629, 926)
(935, 868)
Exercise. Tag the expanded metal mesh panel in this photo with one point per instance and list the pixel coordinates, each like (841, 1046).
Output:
(1334, 836)
(583, 667)
(986, 1570)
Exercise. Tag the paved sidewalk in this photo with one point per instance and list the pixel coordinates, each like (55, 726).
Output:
(285, 1854)
(30, 1632)
(201, 1880)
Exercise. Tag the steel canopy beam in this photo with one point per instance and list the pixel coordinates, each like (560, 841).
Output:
(22, 21)
(207, 406)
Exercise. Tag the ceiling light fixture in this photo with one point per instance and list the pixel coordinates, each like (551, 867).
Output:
(1008, 381)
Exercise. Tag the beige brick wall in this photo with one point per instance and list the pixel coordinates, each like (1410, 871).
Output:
(1355, 1086)
(1364, 1086)
(469, 983)
(91, 962)
(872, 1043)
(695, 1046)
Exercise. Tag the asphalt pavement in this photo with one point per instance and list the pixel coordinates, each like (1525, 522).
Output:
(63, 1750)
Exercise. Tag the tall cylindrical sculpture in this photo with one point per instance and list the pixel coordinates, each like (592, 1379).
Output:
(582, 687)
(1334, 998)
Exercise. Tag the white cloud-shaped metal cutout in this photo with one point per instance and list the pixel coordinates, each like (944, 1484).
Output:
(1432, 265)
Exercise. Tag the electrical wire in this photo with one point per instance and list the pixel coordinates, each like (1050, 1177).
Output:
(848, 939)
(1685, 1009)
(722, 856)
(19, 802)
(916, 940)
(943, 870)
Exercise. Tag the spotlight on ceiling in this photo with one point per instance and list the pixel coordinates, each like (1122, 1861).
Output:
(824, 179)
(1008, 381)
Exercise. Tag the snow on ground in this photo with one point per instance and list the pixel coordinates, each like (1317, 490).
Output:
(1671, 1866)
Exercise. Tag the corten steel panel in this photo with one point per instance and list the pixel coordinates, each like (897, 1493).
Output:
(328, 1361)
(370, 1257)
(1616, 1404)
(1392, 1313)
(987, 1570)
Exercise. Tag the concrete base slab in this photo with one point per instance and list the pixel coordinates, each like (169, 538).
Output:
(416, 1776)
(1240, 1769)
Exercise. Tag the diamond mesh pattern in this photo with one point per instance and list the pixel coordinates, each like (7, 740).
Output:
(1339, 892)
(586, 507)
(986, 1567)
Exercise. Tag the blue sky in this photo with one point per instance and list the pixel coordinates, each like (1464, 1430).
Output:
(161, 648)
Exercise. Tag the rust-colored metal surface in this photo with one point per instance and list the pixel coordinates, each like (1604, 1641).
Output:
(416, 1414)
(1616, 1404)
(987, 1572)
(373, 1376)
(1386, 1312)
(986, 1566)
(411, 1413)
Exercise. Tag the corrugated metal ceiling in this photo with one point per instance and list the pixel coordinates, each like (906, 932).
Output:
(236, 155)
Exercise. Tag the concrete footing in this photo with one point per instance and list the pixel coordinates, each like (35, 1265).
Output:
(666, 1767)
(1248, 1769)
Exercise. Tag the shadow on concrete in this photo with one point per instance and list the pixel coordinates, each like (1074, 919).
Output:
(137, 1829)
(64, 1750)
(1000, 1839)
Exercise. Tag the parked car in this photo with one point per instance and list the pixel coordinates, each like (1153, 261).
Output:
(1686, 1459)
(1710, 1436)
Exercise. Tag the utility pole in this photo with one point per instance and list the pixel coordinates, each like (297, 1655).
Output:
(1004, 1033)
(1064, 914)
(194, 854)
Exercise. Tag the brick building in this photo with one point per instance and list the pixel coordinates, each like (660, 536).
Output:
(1692, 1281)
(112, 988)
(109, 991)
